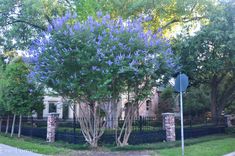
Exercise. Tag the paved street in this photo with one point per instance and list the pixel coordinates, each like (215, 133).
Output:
(6, 150)
(230, 154)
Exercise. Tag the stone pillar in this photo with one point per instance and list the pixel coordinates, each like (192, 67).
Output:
(169, 125)
(228, 119)
(51, 126)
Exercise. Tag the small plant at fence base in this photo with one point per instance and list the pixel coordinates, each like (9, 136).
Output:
(95, 61)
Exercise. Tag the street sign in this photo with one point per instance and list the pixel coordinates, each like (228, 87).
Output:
(181, 84)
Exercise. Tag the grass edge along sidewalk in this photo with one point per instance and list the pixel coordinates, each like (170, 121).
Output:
(217, 147)
(164, 148)
(33, 145)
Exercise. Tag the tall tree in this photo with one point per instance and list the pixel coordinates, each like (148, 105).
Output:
(169, 15)
(3, 111)
(95, 61)
(19, 96)
(209, 57)
(197, 101)
(22, 20)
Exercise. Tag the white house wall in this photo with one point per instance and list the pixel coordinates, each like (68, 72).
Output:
(57, 100)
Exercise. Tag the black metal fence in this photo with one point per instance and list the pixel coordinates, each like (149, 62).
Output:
(194, 122)
(145, 130)
(199, 131)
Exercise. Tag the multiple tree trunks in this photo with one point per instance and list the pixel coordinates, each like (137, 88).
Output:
(92, 124)
(12, 125)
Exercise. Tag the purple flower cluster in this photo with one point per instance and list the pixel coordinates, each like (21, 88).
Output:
(115, 45)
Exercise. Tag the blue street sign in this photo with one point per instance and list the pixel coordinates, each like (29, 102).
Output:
(181, 83)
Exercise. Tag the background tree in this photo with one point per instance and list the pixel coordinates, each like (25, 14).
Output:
(197, 101)
(208, 57)
(167, 102)
(21, 21)
(3, 111)
(19, 96)
(169, 15)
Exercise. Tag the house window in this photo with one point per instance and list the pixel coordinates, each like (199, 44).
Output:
(148, 105)
(52, 107)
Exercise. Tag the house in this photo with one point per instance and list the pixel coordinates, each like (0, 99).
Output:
(147, 108)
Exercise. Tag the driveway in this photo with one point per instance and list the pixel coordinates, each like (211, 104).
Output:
(6, 150)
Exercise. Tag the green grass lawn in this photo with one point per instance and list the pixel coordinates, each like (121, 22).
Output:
(210, 148)
(34, 145)
(214, 145)
(168, 145)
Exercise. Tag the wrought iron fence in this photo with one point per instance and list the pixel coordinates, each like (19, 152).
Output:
(144, 129)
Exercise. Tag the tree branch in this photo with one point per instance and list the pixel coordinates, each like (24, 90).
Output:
(28, 23)
(49, 20)
(184, 20)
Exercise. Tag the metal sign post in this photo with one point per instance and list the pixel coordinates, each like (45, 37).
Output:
(182, 122)
(181, 85)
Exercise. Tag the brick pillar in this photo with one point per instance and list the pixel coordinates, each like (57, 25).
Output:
(51, 126)
(169, 125)
(228, 119)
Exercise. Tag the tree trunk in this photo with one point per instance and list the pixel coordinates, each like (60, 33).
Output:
(92, 124)
(7, 125)
(0, 125)
(124, 134)
(94, 143)
(13, 125)
(123, 137)
(19, 130)
(214, 93)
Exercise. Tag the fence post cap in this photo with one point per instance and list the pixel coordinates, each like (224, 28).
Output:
(164, 114)
(228, 115)
(54, 114)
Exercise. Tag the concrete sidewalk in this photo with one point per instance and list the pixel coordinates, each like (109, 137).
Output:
(6, 150)
(230, 154)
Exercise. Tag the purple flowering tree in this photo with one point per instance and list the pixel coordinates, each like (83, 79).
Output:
(95, 61)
